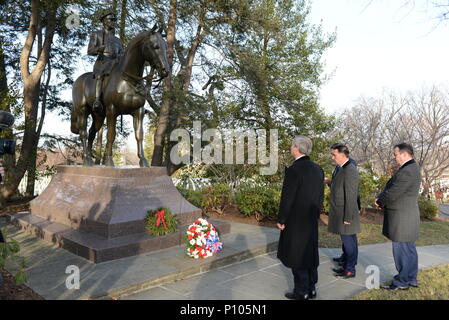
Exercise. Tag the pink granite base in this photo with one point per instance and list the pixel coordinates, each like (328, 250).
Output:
(99, 212)
(110, 202)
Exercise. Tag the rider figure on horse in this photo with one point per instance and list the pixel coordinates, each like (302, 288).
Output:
(104, 44)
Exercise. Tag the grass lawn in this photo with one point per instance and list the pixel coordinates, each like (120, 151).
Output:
(431, 233)
(433, 285)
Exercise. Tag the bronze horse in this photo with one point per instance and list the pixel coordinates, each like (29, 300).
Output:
(120, 95)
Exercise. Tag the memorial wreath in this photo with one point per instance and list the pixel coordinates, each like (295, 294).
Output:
(161, 221)
(202, 240)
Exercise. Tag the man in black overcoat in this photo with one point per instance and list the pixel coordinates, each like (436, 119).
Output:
(299, 211)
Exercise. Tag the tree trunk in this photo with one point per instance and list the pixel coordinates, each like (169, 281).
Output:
(114, 5)
(183, 80)
(31, 176)
(9, 161)
(163, 117)
(123, 21)
(31, 90)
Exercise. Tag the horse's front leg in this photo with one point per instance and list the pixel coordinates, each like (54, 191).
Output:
(138, 116)
(82, 121)
(111, 123)
(97, 123)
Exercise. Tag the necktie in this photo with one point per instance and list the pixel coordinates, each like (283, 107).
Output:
(337, 168)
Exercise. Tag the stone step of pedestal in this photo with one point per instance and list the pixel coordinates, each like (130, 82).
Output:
(98, 249)
(47, 264)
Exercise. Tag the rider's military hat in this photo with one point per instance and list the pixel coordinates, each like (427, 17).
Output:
(103, 13)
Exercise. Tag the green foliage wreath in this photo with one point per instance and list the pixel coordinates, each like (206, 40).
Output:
(153, 218)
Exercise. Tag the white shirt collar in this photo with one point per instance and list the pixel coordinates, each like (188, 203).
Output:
(344, 163)
(405, 163)
(300, 157)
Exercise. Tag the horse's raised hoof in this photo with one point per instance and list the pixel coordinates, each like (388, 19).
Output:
(109, 162)
(144, 163)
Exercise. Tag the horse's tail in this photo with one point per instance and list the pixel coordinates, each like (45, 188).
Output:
(78, 98)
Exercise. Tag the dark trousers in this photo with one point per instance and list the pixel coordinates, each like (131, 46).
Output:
(305, 280)
(350, 252)
(406, 261)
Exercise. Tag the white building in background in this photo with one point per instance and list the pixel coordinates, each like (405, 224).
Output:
(39, 185)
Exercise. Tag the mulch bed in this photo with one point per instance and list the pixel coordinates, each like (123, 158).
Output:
(19, 205)
(231, 213)
(9, 290)
(371, 216)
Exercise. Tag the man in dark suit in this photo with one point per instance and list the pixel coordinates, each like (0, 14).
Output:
(399, 202)
(299, 211)
(344, 218)
(107, 47)
(341, 259)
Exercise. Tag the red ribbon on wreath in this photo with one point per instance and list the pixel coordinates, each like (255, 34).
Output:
(160, 218)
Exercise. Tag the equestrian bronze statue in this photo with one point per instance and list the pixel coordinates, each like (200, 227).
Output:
(121, 89)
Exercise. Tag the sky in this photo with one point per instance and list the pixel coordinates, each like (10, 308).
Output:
(381, 44)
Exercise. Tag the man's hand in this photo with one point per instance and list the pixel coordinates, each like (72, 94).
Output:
(378, 206)
(281, 226)
(346, 223)
(327, 180)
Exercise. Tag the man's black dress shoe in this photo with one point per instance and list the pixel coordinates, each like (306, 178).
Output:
(339, 259)
(338, 270)
(345, 275)
(392, 287)
(312, 294)
(294, 296)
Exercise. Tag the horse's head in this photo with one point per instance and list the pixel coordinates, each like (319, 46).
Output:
(155, 52)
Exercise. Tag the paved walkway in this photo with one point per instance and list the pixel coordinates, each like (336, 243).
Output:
(444, 210)
(246, 269)
(265, 278)
(47, 264)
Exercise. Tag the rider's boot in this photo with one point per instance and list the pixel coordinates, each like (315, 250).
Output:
(98, 106)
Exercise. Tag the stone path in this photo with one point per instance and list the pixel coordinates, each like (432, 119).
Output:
(47, 264)
(265, 278)
(444, 210)
(246, 269)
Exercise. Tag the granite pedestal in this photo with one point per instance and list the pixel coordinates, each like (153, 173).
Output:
(99, 212)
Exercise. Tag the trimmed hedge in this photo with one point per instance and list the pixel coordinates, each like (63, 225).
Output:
(216, 197)
(195, 197)
(261, 201)
(428, 209)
